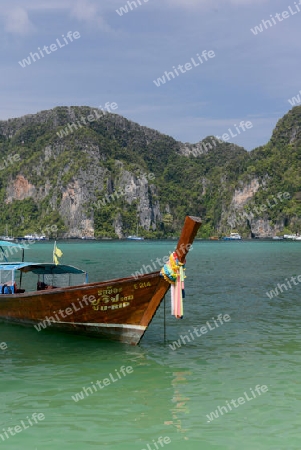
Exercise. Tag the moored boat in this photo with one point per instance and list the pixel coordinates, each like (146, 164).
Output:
(6, 237)
(34, 237)
(119, 309)
(135, 238)
(232, 237)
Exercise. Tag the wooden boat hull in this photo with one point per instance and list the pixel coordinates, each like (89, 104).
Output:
(119, 309)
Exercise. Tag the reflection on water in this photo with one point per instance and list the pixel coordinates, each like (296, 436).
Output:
(181, 406)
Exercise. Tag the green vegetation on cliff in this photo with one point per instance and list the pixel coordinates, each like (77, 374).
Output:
(71, 181)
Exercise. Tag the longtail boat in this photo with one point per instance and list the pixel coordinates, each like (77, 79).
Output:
(119, 309)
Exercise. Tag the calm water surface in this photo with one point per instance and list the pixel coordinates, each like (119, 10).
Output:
(169, 393)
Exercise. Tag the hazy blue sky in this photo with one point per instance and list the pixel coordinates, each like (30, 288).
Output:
(118, 57)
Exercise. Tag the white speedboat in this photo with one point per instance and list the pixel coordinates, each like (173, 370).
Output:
(233, 237)
(7, 238)
(135, 238)
(34, 237)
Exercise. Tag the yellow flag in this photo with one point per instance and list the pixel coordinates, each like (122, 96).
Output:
(57, 253)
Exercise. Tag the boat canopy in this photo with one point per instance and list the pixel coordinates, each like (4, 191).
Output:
(41, 269)
(12, 265)
(50, 269)
(53, 275)
(12, 244)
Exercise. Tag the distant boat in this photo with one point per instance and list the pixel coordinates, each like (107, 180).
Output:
(277, 238)
(7, 237)
(135, 237)
(34, 237)
(293, 237)
(233, 237)
(214, 238)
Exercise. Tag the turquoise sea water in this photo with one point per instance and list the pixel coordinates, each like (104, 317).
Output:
(168, 393)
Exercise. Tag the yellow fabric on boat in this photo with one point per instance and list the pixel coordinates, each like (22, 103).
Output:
(57, 253)
(170, 270)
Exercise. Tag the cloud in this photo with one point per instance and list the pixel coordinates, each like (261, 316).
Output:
(85, 11)
(246, 2)
(211, 4)
(17, 21)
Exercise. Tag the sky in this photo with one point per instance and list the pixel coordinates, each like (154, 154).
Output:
(224, 75)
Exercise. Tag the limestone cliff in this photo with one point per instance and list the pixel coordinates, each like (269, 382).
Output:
(105, 176)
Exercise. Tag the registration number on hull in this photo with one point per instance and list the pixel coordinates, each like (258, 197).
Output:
(111, 299)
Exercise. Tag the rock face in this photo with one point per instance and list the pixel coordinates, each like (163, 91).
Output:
(239, 217)
(71, 209)
(246, 193)
(263, 228)
(236, 216)
(105, 178)
(19, 189)
(71, 201)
